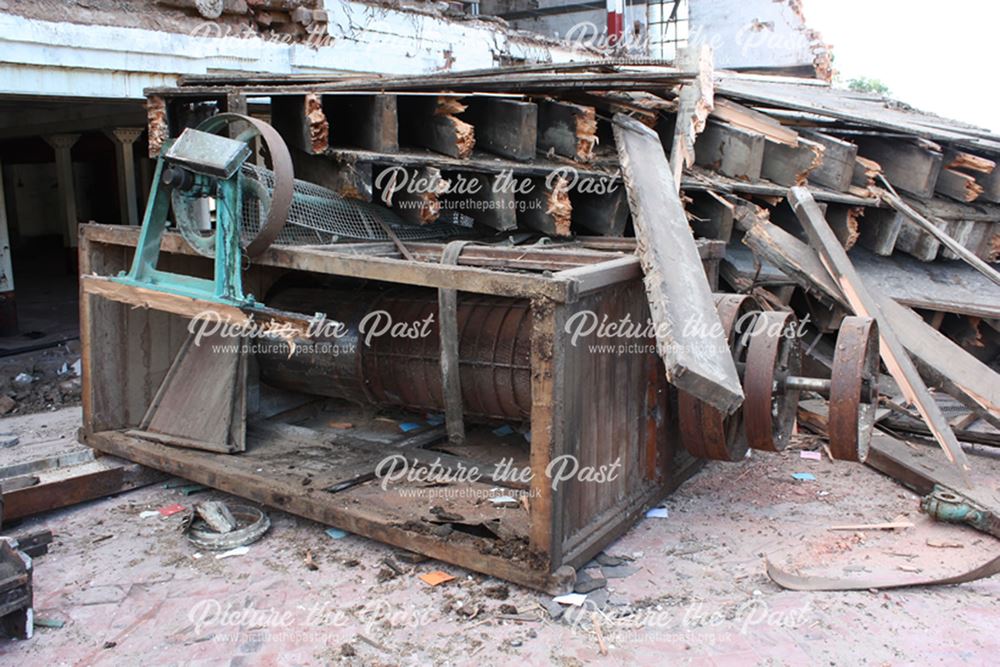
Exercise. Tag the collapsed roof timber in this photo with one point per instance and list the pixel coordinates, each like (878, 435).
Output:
(556, 290)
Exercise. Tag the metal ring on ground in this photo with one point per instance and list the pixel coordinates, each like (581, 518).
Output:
(705, 431)
(854, 389)
(251, 523)
(284, 176)
(769, 408)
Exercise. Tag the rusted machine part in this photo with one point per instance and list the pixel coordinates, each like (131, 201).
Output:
(854, 389)
(769, 408)
(706, 432)
(401, 366)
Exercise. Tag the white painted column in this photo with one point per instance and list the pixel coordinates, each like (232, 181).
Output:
(128, 200)
(8, 309)
(62, 144)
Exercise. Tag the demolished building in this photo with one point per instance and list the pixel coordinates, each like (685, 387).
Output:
(503, 207)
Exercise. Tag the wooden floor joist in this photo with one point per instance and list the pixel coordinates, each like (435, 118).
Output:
(567, 129)
(432, 122)
(731, 151)
(369, 121)
(791, 165)
(910, 166)
(837, 166)
(958, 185)
(506, 127)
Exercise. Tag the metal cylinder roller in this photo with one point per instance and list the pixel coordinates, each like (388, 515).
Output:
(388, 351)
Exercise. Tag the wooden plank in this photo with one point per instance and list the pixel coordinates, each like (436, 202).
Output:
(941, 362)
(836, 168)
(958, 185)
(203, 396)
(246, 477)
(962, 232)
(689, 335)
(695, 101)
(567, 129)
(791, 165)
(432, 122)
(547, 427)
(505, 127)
(76, 484)
(731, 151)
(414, 193)
(863, 303)
(955, 159)
(365, 121)
(845, 221)
(991, 186)
(935, 286)
(909, 166)
(736, 114)
(332, 262)
(490, 201)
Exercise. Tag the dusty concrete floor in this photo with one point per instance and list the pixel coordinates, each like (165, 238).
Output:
(132, 590)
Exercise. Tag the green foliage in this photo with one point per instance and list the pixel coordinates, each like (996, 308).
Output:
(865, 85)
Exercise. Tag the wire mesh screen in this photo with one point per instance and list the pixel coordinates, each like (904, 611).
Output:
(320, 216)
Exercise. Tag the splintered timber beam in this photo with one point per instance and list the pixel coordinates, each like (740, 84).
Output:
(301, 122)
(942, 363)
(909, 166)
(688, 332)
(955, 159)
(695, 101)
(750, 119)
(432, 122)
(845, 223)
(836, 169)
(506, 127)
(567, 129)
(864, 303)
(865, 172)
(415, 197)
(349, 179)
(958, 185)
(363, 121)
(546, 207)
(991, 186)
(790, 165)
(731, 151)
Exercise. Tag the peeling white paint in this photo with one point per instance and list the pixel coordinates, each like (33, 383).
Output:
(73, 60)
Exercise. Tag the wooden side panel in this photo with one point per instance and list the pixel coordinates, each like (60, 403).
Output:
(618, 416)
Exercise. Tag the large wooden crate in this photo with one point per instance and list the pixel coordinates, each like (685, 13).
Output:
(598, 405)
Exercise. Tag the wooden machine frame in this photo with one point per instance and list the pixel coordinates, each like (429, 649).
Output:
(581, 405)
